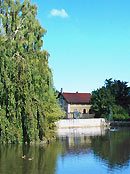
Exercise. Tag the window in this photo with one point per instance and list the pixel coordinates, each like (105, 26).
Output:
(84, 111)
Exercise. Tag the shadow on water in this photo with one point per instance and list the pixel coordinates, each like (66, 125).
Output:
(106, 150)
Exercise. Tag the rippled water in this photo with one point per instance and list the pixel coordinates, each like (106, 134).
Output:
(76, 151)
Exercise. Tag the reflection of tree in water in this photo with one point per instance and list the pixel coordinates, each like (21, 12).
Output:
(114, 147)
(38, 160)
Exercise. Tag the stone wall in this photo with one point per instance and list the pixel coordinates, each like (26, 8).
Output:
(81, 123)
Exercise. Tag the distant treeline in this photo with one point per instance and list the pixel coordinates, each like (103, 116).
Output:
(28, 106)
(112, 101)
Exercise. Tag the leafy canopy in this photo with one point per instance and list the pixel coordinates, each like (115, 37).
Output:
(112, 101)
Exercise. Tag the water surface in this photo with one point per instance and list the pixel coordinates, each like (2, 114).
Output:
(76, 151)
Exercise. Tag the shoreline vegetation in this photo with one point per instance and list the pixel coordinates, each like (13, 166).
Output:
(28, 104)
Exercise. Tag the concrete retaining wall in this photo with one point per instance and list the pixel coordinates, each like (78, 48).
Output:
(81, 132)
(81, 123)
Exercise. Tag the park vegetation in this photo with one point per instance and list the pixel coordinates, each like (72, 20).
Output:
(28, 105)
(112, 101)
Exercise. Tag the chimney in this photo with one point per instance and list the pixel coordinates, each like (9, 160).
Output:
(61, 91)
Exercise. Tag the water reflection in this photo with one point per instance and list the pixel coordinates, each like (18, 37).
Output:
(76, 140)
(79, 132)
(37, 160)
(114, 147)
(108, 151)
(73, 153)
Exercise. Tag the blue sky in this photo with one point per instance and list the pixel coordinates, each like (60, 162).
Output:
(88, 41)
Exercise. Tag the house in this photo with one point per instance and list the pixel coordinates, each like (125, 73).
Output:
(76, 105)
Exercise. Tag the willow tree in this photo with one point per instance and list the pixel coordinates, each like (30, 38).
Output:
(28, 106)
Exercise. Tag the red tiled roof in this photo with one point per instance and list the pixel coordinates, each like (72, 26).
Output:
(77, 98)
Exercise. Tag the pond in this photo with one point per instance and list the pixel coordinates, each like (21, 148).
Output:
(76, 151)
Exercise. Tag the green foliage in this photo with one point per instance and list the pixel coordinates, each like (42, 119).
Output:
(112, 100)
(119, 113)
(120, 90)
(28, 106)
(102, 101)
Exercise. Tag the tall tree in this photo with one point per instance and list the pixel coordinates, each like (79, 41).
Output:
(111, 100)
(120, 90)
(102, 102)
(28, 107)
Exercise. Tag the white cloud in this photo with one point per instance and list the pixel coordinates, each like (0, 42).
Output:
(60, 13)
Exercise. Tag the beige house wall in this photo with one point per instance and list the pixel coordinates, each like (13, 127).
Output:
(79, 107)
